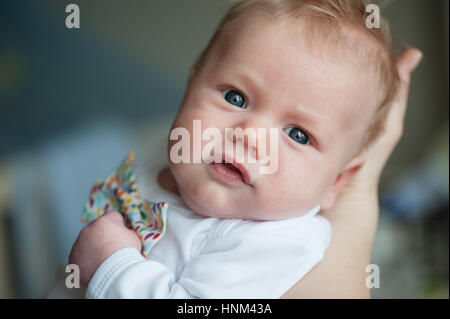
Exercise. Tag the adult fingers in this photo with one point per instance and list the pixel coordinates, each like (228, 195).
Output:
(406, 64)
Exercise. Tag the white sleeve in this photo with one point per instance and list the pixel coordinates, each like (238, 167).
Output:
(238, 265)
(126, 274)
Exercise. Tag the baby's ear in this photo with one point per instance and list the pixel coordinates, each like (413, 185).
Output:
(342, 180)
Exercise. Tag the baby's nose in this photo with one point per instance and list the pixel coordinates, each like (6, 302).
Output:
(246, 135)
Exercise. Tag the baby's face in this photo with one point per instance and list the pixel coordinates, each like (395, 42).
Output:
(269, 78)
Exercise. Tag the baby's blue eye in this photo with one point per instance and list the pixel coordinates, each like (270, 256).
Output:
(234, 97)
(297, 135)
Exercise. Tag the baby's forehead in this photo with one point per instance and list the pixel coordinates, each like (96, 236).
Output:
(339, 42)
(347, 47)
(255, 38)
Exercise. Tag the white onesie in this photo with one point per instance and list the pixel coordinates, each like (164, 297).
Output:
(202, 257)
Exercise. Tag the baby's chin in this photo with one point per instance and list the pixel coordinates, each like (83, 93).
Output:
(208, 203)
(226, 208)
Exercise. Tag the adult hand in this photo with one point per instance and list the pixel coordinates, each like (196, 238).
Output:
(377, 155)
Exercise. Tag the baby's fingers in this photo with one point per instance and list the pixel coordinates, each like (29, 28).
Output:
(114, 217)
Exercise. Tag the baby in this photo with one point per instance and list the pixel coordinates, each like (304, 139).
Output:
(312, 72)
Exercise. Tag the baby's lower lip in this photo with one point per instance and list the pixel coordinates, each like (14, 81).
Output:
(224, 173)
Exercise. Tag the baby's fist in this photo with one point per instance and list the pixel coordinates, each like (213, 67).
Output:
(98, 240)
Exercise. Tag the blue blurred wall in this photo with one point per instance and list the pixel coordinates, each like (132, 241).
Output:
(53, 79)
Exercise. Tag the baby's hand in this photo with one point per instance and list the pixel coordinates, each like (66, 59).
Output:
(98, 240)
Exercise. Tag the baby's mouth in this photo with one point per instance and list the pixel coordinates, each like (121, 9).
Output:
(233, 168)
(231, 172)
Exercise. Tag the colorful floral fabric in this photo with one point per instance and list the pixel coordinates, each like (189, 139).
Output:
(119, 192)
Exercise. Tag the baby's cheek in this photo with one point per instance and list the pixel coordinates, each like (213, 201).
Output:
(198, 106)
(265, 198)
(298, 190)
(309, 179)
(270, 199)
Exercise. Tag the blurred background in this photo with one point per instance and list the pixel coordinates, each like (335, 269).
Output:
(74, 101)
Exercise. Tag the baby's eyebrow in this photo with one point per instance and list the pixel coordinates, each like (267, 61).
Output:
(246, 78)
(305, 115)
